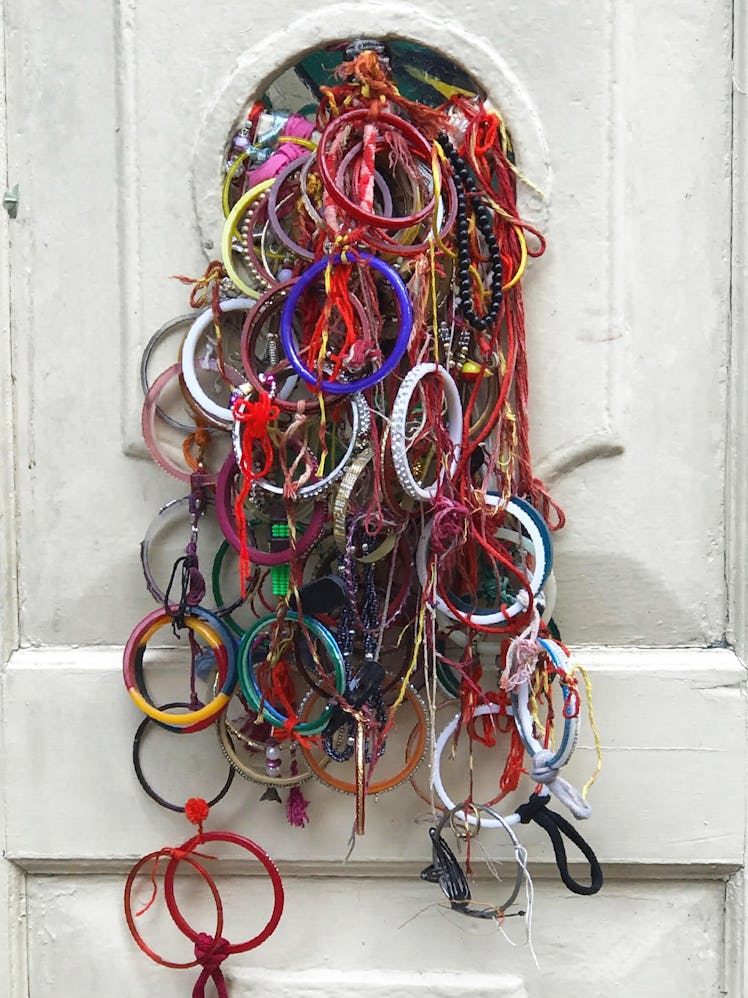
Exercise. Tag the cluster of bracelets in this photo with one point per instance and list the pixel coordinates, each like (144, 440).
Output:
(347, 409)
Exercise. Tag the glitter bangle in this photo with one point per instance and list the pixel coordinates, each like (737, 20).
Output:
(399, 419)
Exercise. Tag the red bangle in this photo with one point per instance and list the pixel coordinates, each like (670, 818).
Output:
(243, 843)
(131, 918)
(420, 146)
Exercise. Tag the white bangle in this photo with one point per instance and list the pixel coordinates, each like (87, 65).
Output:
(436, 779)
(531, 521)
(524, 721)
(360, 425)
(221, 413)
(399, 419)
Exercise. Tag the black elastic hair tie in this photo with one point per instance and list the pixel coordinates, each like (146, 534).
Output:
(537, 810)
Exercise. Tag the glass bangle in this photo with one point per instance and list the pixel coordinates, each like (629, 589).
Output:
(248, 679)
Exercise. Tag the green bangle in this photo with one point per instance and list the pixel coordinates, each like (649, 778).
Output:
(248, 679)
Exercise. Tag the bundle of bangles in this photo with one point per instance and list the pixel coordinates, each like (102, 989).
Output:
(347, 407)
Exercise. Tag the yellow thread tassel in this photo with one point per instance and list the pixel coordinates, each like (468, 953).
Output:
(593, 726)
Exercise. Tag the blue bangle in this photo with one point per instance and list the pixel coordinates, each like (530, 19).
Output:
(403, 333)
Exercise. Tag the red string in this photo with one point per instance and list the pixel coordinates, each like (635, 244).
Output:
(254, 418)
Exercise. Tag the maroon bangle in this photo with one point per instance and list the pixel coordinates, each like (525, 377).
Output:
(155, 856)
(420, 146)
(267, 307)
(225, 513)
(244, 843)
(378, 240)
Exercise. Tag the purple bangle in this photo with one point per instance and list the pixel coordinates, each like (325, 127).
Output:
(403, 333)
(225, 514)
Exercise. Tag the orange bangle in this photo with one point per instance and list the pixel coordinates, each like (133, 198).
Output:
(412, 760)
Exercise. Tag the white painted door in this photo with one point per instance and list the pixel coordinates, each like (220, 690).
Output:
(630, 117)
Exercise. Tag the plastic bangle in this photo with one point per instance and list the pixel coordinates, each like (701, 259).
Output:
(215, 579)
(133, 660)
(155, 856)
(524, 721)
(231, 229)
(399, 419)
(531, 522)
(403, 335)
(418, 143)
(225, 513)
(248, 679)
(148, 422)
(436, 779)
(141, 730)
(360, 425)
(222, 414)
(258, 853)
(412, 761)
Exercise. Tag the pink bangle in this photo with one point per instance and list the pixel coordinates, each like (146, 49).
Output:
(149, 418)
(225, 513)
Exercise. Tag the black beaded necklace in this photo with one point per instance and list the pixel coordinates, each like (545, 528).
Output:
(484, 220)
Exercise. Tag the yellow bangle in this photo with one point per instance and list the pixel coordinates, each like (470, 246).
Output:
(137, 647)
(231, 230)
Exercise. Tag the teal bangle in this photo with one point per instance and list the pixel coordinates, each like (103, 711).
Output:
(248, 679)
